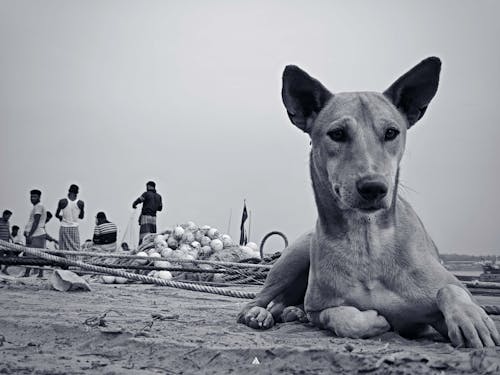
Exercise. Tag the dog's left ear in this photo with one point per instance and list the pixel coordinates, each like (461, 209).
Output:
(413, 91)
(303, 96)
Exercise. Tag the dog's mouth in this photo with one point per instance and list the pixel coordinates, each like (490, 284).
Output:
(370, 209)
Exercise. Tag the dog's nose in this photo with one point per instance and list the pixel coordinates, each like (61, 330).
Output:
(371, 189)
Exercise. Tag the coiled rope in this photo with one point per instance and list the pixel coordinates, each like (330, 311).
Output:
(132, 276)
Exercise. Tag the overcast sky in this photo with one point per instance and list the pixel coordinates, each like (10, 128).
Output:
(110, 94)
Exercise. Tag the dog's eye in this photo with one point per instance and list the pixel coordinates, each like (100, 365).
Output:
(337, 135)
(390, 134)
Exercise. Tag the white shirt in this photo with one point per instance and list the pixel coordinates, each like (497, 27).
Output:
(70, 214)
(38, 209)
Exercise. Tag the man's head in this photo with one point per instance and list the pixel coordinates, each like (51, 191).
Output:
(7, 214)
(150, 185)
(15, 230)
(35, 196)
(124, 246)
(358, 138)
(73, 191)
(100, 217)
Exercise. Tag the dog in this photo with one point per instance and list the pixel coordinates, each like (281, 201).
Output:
(369, 265)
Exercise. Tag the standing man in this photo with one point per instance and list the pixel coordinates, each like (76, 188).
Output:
(69, 212)
(151, 203)
(35, 228)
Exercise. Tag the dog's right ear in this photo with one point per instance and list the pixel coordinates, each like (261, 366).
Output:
(303, 96)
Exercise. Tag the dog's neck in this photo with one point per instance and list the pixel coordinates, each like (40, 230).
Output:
(335, 220)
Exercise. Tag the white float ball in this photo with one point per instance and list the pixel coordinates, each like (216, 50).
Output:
(154, 255)
(216, 245)
(198, 235)
(178, 232)
(248, 252)
(205, 241)
(187, 237)
(164, 275)
(106, 279)
(195, 245)
(253, 246)
(227, 242)
(184, 248)
(191, 226)
(120, 280)
(172, 243)
(141, 261)
(213, 233)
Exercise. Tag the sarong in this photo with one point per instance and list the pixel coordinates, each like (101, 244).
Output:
(69, 238)
(147, 225)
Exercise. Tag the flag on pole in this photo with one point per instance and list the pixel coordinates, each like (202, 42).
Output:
(243, 234)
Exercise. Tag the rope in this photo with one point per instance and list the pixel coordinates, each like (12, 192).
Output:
(26, 261)
(9, 246)
(481, 284)
(132, 276)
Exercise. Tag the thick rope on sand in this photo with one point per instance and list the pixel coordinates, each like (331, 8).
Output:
(132, 276)
(28, 261)
(8, 246)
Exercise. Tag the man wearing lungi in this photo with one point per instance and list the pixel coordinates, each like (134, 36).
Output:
(69, 212)
(151, 203)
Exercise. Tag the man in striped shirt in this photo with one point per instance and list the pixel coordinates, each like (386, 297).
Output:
(5, 226)
(5, 235)
(105, 234)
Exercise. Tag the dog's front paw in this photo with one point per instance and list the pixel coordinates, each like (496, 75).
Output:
(348, 321)
(292, 314)
(468, 325)
(257, 317)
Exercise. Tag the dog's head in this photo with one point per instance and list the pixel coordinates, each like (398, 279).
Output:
(358, 138)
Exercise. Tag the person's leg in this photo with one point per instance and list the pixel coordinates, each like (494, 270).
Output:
(28, 269)
(39, 243)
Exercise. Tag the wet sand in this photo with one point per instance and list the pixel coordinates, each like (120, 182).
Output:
(160, 330)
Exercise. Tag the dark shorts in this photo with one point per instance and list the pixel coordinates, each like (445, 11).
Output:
(37, 242)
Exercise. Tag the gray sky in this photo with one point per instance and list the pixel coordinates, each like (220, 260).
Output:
(110, 94)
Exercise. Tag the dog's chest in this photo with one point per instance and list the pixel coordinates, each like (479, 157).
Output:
(355, 265)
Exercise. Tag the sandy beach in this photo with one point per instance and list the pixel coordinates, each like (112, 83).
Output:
(153, 329)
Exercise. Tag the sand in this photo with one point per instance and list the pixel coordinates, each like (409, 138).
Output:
(160, 330)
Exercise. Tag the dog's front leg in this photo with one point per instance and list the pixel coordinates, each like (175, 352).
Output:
(348, 321)
(466, 322)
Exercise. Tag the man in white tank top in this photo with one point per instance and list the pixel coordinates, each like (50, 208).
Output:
(70, 211)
